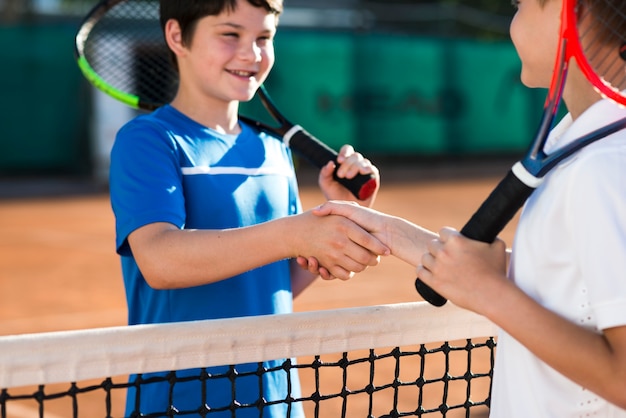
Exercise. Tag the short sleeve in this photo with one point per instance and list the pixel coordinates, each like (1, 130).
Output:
(145, 180)
(598, 218)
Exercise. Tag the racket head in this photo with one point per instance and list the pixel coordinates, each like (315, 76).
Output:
(121, 50)
(595, 31)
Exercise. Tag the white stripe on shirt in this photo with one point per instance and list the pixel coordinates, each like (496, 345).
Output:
(259, 171)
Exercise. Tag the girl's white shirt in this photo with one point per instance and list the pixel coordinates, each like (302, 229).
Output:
(569, 254)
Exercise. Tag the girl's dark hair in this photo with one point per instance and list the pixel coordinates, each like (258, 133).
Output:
(612, 12)
(188, 12)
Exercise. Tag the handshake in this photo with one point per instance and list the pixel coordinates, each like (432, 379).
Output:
(450, 263)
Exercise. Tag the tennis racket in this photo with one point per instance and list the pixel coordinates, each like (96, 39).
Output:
(121, 50)
(593, 32)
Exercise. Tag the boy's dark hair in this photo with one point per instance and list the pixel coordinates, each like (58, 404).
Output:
(188, 12)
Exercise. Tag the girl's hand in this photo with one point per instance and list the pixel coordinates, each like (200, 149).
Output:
(469, 273)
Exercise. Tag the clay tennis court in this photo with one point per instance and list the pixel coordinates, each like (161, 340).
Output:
(59, 271)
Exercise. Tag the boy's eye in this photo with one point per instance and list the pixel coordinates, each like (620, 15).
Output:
(233, 35)
(515, 3)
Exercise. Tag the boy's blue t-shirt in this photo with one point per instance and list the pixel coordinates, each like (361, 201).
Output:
(166, 167)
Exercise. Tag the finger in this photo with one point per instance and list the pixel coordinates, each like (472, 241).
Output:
(314, 265)
(357, 258)
(352, 170)
(351, 256)
(423, 274)
(446, 233)
(302, 262)
(428, 261)
(360, 260)
(366, 167)
(353, 165)
(434, 245)
(420, 270)
(328, 170)
(325, 274)
(368, 242)
(499, 243)
(344, 152)
(346, 266)
(340, 273)
(343, 208)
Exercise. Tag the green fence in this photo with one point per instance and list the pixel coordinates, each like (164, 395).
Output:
(385, 94)
(404, 95)
(43, 101)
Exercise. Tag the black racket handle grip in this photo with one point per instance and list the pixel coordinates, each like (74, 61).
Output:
(362, 186)
(488, 221)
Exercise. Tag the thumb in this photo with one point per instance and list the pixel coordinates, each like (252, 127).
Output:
(345, 151)
(328, 170)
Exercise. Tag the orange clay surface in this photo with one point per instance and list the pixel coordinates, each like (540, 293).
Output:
(59, 271)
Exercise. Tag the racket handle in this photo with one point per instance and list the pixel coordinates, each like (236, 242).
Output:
(319, 154)
(488, 221)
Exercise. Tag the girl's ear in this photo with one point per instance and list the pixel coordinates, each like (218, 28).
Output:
(174, 37)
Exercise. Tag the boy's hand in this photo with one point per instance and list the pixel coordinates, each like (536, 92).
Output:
(371, 220)
(350, 163)
(367, 218)
(334, 246)
(312, 265)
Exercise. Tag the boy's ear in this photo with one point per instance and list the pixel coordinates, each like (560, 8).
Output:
(174, 37)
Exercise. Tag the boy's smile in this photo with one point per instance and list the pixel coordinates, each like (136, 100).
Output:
(230, 55)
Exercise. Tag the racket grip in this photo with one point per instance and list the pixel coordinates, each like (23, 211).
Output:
(488, 221)
(362, 186)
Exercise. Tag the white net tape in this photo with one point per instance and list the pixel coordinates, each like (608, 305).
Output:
(70, 356)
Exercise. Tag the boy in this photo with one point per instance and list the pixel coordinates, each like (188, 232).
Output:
(562, 311)
(207, 210)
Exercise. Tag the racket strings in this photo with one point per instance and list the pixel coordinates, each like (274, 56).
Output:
(126, 49)
(601, 39)
(619, 30)
(616, 24)
(610, 22)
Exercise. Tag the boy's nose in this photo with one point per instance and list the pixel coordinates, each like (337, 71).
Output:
(250, 52)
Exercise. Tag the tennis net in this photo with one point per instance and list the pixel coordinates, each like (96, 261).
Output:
(397, 360)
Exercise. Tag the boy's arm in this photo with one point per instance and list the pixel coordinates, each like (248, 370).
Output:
(170, 257)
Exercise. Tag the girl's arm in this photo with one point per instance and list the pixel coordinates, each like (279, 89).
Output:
(473, 275)
(596, 361)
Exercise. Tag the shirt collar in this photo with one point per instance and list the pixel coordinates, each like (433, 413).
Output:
(597, 115)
